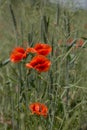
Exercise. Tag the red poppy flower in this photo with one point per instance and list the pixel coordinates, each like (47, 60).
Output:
(30, 50)
(39, 109)
(40, 63)
(69, 41)
(17, 54)
(79, 43)
(41, 49)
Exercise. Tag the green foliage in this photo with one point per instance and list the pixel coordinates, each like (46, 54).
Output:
(63, 88)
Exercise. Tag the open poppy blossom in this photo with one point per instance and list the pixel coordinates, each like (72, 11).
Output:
(41, 49)
(40, 63)
(17, 54)
(39, 109)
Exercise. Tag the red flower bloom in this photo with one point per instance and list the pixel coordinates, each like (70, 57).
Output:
(41, 49)
(40, 63)
(17, 54)
(79, 43)
(39, 109)
(30, 50)
(69, 41)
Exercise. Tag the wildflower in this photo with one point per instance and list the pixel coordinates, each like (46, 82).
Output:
(40, 63)
(41, 49)
(30, 50)
(69, 41)
(17, 54)
(39, 109)
(79, 43)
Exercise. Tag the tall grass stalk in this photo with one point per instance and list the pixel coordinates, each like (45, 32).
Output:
(62, 89)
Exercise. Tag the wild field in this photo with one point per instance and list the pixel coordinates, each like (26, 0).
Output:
(43, 67)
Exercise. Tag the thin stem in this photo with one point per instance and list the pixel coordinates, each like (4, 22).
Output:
(14, 23)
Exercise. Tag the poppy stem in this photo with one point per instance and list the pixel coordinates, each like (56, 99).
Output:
(67, 31)
(67, 84)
